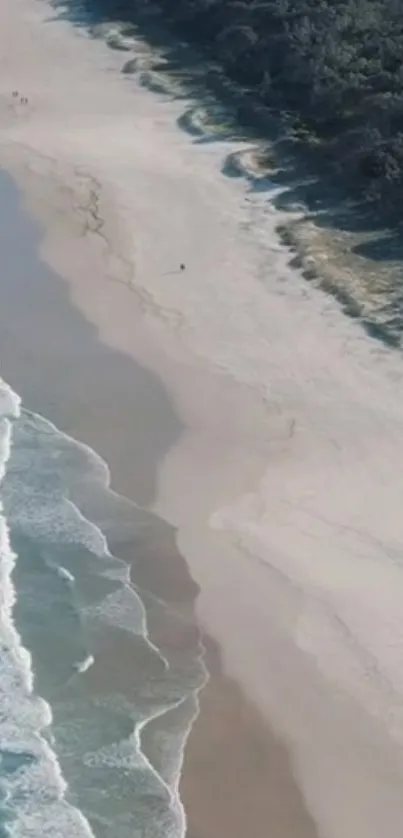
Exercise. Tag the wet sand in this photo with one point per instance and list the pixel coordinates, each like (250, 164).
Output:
(237, 772)
(237, 776)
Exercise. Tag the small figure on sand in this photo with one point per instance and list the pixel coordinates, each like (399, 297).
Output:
(24, 100)
(182, 267)
(15, 94)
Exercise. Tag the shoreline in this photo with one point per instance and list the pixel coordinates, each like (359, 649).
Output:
(158, 571)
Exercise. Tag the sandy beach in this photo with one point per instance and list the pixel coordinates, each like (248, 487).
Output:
(258, 427)
(42, 334)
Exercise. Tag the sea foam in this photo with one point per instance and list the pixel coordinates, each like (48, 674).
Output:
(45, 469)
(31, 783)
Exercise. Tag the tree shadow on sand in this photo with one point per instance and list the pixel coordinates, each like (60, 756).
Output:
(294, 175)
(219, 109)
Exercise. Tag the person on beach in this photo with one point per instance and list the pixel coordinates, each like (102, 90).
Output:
(182, 267)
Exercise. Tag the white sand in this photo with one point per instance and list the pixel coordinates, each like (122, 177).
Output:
(286, 486)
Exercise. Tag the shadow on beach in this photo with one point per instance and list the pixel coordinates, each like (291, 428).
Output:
(278, 163)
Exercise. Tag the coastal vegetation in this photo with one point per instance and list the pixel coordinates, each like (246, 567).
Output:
(336, 66)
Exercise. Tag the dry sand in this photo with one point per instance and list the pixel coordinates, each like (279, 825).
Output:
(285, 481)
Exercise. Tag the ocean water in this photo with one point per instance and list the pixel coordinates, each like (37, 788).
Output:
(80, 675)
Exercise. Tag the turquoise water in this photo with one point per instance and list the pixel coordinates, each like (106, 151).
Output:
(79, 675)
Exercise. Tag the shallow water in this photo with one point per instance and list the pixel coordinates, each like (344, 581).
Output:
(81, 677)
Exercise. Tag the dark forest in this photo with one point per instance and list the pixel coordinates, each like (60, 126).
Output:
(335, 66)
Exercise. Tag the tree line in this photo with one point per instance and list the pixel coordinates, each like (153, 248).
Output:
(336, 65)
